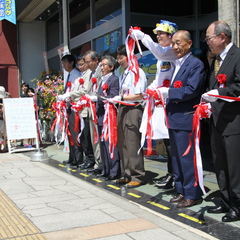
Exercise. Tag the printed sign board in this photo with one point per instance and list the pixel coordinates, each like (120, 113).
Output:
(20, 119)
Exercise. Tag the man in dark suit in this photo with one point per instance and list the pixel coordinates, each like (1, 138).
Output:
(225, 121)
(109, 88)
(184, 92)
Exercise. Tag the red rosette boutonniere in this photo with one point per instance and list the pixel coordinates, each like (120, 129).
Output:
(94, 82)
(68, 88)
(105, 87)
(166, 83)
(81, 82)
(221, 80)
(177, 84)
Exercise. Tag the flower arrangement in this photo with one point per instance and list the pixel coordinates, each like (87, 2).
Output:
(47, 88)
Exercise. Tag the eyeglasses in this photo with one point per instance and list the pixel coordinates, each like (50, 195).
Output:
(211, 38)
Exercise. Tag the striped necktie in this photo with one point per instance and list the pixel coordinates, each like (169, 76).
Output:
(217, 65)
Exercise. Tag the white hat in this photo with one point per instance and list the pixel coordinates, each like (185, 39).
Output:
(2, 92)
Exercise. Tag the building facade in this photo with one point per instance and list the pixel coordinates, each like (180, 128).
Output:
(55, 26)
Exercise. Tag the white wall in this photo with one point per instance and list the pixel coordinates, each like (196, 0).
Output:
(31, 48)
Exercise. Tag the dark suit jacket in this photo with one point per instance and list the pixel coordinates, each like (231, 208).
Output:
(226, 115)
(112, 91)
(182, 100)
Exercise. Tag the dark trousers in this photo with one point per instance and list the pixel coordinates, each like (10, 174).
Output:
(168, 148)
(129, 141)
(76, 151)
(111, 167)
(183, 167)
(226, 158)
(86, 143)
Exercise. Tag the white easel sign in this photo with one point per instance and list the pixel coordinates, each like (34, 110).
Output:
(20, 120)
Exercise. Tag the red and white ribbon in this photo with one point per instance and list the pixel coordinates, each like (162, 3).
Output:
(92, 106)
(132, 59)
(61, 122)
(77, 108)
(203, 111)
(226, 98)
(109, 129)
(146, 125)
(153, 98)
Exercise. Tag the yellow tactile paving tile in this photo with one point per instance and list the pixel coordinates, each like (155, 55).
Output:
(13, 224)
(102, 230)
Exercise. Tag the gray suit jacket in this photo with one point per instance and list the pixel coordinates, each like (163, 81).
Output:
(77, 93)
(98, 76)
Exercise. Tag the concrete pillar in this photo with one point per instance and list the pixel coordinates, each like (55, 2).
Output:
(65, 24)
(228, 11)
(125, 18)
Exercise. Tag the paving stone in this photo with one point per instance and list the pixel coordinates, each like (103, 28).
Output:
(46, 199)
(76, 204)
(57, 222)
(154, 234)
(117, 237)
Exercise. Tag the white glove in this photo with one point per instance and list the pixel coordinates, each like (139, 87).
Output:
(93, 98)
(210, 98)
(164, 91)
(63, 97)
(59, 98)
(138, 34)
(114, 99)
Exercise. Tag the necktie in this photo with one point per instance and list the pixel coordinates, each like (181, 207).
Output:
(217, 65)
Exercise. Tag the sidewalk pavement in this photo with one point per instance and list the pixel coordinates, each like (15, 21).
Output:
(38, 201)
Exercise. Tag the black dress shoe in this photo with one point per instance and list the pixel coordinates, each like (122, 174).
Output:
(67, 162)
(95, 171)
(217, 209)
(74, 164)
(112, 177)
(81, 164)
(87, 166)
(231, 216)
(102, 175)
